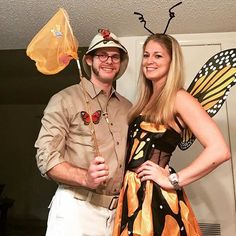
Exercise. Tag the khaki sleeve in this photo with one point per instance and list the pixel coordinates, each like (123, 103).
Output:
(50, 143)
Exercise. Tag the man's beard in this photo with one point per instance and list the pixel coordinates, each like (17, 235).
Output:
(96, 72)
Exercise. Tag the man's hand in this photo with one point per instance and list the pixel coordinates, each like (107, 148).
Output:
(97, 173)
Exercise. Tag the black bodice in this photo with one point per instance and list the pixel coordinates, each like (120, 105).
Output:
(147, 141)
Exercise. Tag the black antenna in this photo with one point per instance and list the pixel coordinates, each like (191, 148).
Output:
(141, 18)
(172, 15)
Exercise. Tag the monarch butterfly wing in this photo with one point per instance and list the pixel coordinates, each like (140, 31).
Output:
(85, 117)
(187, 139)
(96, 116)
(211, 87)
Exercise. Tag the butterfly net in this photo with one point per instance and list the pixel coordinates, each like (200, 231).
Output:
(54, 45)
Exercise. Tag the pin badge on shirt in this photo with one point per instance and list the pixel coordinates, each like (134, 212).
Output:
(87, 118)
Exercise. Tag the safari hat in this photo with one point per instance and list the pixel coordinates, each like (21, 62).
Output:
(105, 39)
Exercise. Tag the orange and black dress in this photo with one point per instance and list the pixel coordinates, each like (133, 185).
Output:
(144, 208)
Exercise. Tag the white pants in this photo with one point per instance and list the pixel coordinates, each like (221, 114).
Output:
(69, 216)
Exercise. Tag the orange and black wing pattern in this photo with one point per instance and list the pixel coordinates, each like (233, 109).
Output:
(211, 87)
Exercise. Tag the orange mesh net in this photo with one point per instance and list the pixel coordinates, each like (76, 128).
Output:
(54, 45)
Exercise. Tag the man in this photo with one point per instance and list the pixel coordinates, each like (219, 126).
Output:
(82, 143)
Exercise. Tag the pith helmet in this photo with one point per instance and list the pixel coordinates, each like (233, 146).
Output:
(105, 39)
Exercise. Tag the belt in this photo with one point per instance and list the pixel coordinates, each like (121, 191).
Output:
(106, 201)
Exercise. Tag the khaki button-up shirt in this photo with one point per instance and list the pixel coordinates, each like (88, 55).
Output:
(65, 134)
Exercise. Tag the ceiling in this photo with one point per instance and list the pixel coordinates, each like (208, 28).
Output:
(20, 20)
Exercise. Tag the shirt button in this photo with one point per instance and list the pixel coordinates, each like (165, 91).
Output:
(111, 123)
(120, 166)
(117, 143)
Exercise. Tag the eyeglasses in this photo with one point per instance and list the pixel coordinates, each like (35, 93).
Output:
(104, 57)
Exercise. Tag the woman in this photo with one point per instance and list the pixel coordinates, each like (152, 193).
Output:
(152, 201)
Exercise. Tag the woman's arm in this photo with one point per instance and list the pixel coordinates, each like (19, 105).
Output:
(215, 152)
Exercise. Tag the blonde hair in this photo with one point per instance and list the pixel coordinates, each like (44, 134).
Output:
(161, 110)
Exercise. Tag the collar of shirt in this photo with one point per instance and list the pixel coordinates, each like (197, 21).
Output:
(93, 90)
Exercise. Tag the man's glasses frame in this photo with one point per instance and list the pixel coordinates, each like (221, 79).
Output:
(104, 57)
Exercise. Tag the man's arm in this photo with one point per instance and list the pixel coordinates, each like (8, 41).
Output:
(68, 174)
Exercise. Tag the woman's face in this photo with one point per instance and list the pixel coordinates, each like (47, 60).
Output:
(156, 62)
